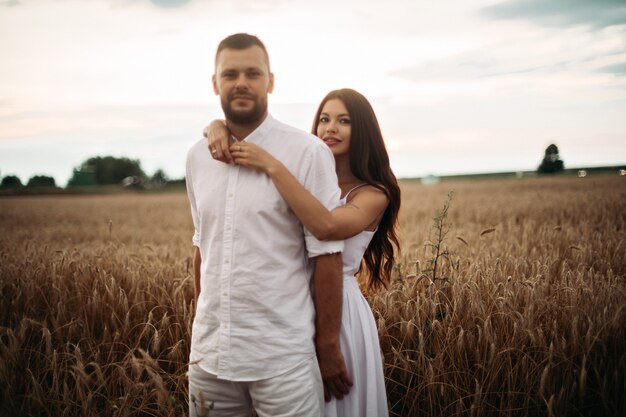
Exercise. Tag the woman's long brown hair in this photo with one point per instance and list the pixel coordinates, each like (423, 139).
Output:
(369, 162)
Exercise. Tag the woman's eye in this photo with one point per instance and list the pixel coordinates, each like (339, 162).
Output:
(345, 121)
(323, 119)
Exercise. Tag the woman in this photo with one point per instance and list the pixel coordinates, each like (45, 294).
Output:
(346, 122)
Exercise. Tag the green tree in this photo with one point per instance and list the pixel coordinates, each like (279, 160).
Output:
(41, 181)
(82, 176)
(551, 162)
(106, 170)
(159, 178)
(11, 181)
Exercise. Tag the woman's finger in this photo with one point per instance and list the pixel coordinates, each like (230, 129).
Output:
(218, 154)
(228, 157)
(236, 154)
(223, 145)
(236, 147)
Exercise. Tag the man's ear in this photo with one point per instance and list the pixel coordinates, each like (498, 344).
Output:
(216, 90)
(270, 86)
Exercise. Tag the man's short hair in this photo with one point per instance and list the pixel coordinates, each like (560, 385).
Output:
(241, 41)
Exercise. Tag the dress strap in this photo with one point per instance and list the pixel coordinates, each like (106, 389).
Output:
(352, 189)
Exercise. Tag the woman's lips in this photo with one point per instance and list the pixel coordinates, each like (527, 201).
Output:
(331, 141)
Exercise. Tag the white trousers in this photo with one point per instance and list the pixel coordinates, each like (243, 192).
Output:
(298, 392)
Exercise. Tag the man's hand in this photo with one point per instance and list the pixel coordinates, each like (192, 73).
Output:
(337, 382)
(328, 283)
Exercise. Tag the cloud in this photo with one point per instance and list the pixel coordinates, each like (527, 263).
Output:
(478, 64)
(169, 3)
(597, 14)
(530, 54)
(617, 69)
(9, 3)
(5, 103)
(242, 6)
(158, 3)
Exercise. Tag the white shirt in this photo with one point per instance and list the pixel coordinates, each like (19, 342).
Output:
(255, 315)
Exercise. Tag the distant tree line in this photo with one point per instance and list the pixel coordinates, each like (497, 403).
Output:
(39, 181)
(106, 170)
(109, 170)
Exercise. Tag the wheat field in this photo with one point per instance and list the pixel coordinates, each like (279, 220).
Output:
(524, 314)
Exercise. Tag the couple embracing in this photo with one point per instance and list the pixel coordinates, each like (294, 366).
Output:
(283, 221)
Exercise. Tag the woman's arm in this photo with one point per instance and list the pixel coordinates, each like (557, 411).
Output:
(360, 213)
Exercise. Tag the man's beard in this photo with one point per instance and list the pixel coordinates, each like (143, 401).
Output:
(247, 117)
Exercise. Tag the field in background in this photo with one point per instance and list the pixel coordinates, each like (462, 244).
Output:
(526, 319)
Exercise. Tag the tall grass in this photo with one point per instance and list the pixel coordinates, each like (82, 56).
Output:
(530, 318)
(96, 306)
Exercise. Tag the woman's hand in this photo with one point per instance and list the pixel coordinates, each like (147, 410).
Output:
(241, 153)
(218, 135)
(250, 155)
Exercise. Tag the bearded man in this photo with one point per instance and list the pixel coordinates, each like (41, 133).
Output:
(259, 338)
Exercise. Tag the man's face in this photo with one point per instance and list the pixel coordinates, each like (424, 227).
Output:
(242, 80)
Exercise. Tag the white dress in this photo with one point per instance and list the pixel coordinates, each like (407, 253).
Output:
(359, 341)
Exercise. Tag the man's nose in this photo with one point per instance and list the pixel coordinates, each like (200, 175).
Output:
(242, 81)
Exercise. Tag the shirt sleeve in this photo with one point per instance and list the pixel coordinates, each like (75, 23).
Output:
(192, 201)
(320, 179)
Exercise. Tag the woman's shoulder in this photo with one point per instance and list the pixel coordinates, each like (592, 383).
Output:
(366, 190)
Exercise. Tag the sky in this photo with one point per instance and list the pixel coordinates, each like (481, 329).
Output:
(458, 87)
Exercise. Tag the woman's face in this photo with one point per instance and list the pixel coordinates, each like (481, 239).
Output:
(334, 126)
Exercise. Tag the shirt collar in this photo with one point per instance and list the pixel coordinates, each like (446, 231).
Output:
(261, 131)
